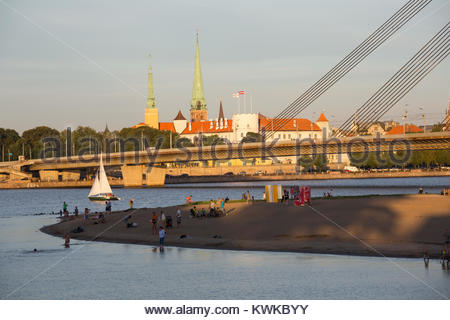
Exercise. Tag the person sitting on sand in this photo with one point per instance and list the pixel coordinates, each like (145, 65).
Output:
(194, 212)
(101, 218)
(154, 222)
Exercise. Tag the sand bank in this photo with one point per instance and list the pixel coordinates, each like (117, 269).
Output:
(401, 226)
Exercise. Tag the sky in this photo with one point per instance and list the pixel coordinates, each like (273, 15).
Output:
(69, 63)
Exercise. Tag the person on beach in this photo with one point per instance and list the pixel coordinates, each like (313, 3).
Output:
(189, 199)
(64, 206)
(86, 214)
(447, 238)
(222, 207)
(178, 217)
(212, 208)
(163, 219)
(76, 211)
(108, 206)
(194, 212)
(154, 222)
(162, 235)
(131, 202)
(67, 240)
(247, 196)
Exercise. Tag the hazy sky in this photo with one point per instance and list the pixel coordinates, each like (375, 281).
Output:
(84, 62)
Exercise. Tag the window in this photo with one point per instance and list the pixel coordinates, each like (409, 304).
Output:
(284, 136)
(289, 136)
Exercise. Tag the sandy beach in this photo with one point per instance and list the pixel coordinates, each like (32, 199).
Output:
(400, 226)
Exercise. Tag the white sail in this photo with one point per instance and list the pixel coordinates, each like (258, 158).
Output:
(104, 184)
(95, 189)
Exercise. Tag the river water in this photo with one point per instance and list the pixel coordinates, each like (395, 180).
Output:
(94, 270)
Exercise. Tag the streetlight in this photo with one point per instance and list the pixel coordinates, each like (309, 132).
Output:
(423, 115)
(404, 115)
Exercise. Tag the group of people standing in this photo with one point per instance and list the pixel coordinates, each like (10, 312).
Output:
(164, 223)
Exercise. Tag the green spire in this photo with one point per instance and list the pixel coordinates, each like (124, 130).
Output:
(150, 94)
(198, 96)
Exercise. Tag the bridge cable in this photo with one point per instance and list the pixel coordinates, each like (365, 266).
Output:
(417, 68)
(336, 73)
(401, 17)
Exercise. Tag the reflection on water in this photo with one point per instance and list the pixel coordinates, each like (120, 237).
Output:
(95, 270)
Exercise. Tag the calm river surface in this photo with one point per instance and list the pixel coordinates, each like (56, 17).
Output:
(94, 270)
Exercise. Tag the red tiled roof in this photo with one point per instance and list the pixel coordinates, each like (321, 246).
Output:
(167, 126)
(140, 124)
(205, 127)
(288, 125)
(410, 128)
(322, 118)
(179, 116)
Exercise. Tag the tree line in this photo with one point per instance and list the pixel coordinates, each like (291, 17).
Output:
(83, 140)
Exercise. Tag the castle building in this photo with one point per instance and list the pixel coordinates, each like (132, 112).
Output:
(232, 130)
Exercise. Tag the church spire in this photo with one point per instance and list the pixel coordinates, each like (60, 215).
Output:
(198, 101)
(151, 112)
(221, 116)
(150, 93)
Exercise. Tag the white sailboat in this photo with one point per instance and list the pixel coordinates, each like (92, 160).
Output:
(101, 190)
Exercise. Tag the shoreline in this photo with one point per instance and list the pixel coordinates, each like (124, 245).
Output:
(170, 182)
(409, 225)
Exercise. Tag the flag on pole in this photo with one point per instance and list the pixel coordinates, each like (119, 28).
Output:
(235, 95)
(241, 92)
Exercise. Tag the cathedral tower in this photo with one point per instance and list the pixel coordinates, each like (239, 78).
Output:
(151, 112)
(198, 102)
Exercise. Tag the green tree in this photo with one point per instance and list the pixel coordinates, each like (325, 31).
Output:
(442, 157)
(306, 162)
(251, 137)
(86, 140)
(33, 139)
(8, 139)
(320, 162)
(214, 139)
(147, 137)
(438, 127)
